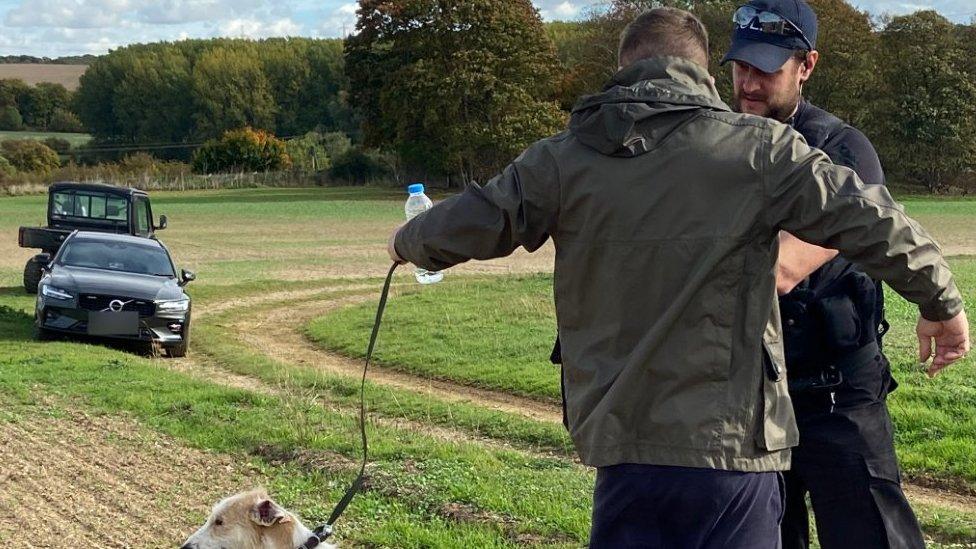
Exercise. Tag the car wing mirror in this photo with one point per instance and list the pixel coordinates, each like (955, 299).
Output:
(163, 223)
(188, 277)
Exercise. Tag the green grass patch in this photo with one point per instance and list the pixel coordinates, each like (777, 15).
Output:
(76, 139)
(495, 334)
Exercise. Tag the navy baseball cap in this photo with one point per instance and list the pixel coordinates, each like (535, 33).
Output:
(767, 32)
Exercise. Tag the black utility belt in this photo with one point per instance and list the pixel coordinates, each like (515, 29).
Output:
(826, 378)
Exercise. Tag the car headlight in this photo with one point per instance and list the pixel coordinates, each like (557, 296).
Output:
(178, 306)
(56, 293)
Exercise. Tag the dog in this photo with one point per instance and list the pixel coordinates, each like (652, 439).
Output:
(250, 520)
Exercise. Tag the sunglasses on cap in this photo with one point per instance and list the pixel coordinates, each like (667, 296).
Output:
(748, 17)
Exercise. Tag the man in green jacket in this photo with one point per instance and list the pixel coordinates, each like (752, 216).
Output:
(665, 208)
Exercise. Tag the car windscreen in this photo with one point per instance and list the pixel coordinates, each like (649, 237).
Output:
(125, 257)
(90, 205)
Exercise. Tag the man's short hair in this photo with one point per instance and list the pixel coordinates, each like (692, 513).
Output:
(664, 31)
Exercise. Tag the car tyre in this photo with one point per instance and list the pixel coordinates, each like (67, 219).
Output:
(32, 276)
(41, 334)
(179, 350)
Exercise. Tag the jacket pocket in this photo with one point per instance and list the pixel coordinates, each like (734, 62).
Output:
(777, 429)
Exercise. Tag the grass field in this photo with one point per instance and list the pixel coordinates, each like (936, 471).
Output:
(76, 139)
(466, 445)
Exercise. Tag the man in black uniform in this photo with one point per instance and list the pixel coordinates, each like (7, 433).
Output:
(832, 313)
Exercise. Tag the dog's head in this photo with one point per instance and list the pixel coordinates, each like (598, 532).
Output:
(249, 521)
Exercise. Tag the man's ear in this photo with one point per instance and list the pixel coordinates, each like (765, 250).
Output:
(268, 513)
(806, 71)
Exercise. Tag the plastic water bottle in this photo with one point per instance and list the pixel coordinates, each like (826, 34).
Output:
(418, 203)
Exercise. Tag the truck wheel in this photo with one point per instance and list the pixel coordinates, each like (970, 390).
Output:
(32, 276)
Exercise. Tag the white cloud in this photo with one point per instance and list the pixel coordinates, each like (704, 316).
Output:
(71, 14)
(254, 28)
(960, 11)
(566, 10)
(339, 22)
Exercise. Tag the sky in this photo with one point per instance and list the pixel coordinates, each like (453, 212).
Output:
(54, 28)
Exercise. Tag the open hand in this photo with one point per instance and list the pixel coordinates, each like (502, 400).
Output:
(951, 341)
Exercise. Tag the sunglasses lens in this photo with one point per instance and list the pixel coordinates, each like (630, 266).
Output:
(768, 17)
(744, 15)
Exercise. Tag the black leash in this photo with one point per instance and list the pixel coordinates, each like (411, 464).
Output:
(323, 532)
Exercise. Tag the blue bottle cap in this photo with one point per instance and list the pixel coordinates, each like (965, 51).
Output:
(416, 188)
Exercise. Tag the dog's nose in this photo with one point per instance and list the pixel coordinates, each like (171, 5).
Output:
(188, 546)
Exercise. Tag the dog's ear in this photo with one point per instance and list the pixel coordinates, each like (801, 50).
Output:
(268, 513)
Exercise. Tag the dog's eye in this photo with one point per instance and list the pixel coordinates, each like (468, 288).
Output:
(218, 522)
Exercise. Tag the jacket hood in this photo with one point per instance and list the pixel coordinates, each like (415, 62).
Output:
(661, 88)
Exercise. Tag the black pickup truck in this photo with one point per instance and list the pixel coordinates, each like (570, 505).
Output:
(86, 207)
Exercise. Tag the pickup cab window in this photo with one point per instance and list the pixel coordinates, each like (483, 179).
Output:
(90, 206)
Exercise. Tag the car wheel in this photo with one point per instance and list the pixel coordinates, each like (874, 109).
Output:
(179, 351)
(40, 334)
(32, 276)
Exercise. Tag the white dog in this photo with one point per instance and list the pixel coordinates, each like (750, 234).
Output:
(250, 521)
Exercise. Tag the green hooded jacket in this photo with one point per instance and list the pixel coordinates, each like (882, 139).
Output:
(664, 207)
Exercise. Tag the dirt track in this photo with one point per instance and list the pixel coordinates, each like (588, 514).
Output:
(277, 334)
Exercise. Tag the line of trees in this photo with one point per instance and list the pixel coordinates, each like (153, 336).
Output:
(453, 91)
(194, 90)
(44, 107)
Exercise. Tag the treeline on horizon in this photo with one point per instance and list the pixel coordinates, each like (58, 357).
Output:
(86, 59)
(455, 94)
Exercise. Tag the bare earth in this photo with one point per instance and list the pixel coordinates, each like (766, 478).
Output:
(35, 73)
(97, 481)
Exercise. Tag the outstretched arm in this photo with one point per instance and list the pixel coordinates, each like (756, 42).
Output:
(828, 205)
(517, 208)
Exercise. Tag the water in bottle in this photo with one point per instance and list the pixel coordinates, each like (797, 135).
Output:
(417, 204)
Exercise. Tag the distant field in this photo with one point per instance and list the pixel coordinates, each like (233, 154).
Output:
(76, 139)
(66, 75)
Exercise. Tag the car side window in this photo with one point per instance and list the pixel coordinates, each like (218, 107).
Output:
(142, 217)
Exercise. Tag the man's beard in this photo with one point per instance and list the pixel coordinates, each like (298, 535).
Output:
(777, 108)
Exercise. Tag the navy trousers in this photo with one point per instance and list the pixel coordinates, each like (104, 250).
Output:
(846, 462)
(660, 507)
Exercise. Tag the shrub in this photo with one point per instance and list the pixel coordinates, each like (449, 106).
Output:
(60, 145)
(360, 166)
(63, 120)
(10, 119)
(336, 144)
(28, 155)
(246, 149)
(6, 168)
(308, 153)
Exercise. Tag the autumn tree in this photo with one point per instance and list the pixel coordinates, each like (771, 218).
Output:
(230, 90)
(454, 87)
(926, 106)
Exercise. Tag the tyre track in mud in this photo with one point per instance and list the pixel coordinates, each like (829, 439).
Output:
(277, 333)
(324, 301)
